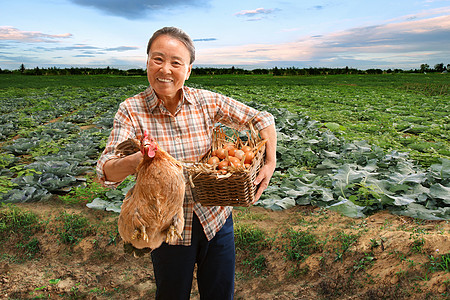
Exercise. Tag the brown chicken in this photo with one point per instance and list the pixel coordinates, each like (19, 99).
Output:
(152, 211)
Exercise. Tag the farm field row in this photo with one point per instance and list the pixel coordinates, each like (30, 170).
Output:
(341, 138)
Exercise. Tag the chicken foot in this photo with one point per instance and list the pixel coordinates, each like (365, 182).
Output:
(140, 233)
(172, 231)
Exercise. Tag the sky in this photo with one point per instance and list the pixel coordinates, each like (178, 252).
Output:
(250, 34)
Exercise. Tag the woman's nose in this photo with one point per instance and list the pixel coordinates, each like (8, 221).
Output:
(166, 68)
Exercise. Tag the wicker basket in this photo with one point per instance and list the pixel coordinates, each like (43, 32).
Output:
(233, 189)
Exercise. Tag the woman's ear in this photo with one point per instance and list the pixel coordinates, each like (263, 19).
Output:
(189, 72)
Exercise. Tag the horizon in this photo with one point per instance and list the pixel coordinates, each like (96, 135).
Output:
(431, 68)
(265, 34)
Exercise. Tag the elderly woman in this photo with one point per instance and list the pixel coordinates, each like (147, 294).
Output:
(181, 119)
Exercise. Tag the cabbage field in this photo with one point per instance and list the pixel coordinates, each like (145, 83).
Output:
(355, 144)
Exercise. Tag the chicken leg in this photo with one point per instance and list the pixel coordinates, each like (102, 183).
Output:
(172, 231)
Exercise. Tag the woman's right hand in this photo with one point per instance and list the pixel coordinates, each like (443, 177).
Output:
(118, 169)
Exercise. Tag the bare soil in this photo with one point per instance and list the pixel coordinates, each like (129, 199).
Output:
(390, 257)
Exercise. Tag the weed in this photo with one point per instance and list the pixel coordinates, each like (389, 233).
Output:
(440, 263)
(6, 184)
(374, 243)
(20, 224)
(21, 170)
(73, 228)
(249, 238)
(364, 262)
(14, 220)
(113, 237)
(299, 245)
(257, 265)
(417, 244)
(345, 240)
(81, 194)
(363, 194)
(249, 241)
(31, 249)
(244, 213)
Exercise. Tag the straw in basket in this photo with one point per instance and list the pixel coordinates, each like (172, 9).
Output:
(236, 187)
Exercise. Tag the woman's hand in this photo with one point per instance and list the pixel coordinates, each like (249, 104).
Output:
(265, 173)
(118, 169)
(263, 179)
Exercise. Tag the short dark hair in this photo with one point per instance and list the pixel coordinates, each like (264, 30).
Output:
(178, 34)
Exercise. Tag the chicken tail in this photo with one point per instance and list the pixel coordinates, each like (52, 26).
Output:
(128, 147)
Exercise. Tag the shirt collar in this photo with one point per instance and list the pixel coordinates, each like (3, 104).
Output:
(153, 101)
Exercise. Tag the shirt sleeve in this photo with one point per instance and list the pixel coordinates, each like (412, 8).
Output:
(122, 130)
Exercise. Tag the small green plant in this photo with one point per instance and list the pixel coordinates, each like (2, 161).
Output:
(14, 220)
(31, 249)
(363, 194)
(345, 240)
(445, 262)
(374, 243)
(440, 263)
(113, 236)
(417, 243)
(84, 194)
(18, 224)
(73, 228)
(21, 170)
(299, 245)
(249, 241)
(6, 184)
(364, 262)
(249, 238)
(257, 265)
(46, 147)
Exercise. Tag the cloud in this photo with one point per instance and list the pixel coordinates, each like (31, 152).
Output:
(75, 47)
(396, 44)
(122, 48)
(10, 33)
(84, 48)
(205, 40)
(137, 9)
(252, 13)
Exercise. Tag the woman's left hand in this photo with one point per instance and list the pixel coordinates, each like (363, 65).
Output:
(263, 179)
(266, 171)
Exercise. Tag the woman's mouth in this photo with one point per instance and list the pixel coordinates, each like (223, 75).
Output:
(164, 80)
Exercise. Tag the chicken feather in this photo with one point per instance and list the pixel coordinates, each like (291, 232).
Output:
(152, 211)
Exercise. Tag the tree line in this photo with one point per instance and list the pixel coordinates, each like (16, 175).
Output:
(224, 71)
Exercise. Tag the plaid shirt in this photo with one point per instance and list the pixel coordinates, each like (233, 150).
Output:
(186, 136)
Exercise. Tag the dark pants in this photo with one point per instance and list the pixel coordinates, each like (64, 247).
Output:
(174, 265)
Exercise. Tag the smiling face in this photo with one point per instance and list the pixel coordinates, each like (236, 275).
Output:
(168, 66)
